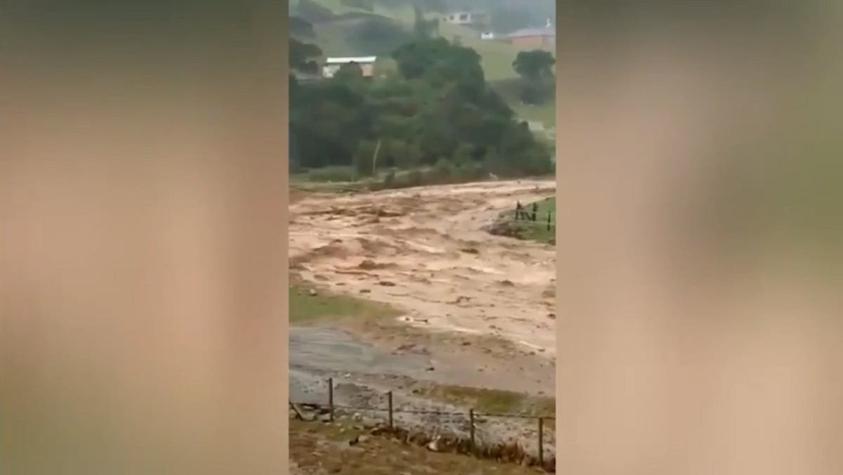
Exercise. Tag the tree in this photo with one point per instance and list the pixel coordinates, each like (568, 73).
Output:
(439, 61)
(536, 70)
(438, 110)
(534, 65)
(301, 56)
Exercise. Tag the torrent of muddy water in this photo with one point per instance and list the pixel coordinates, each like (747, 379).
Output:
(426, 252)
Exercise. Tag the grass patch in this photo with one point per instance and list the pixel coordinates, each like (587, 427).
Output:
(529, 230)
(493, 401)
(337, 179)
(306, 308)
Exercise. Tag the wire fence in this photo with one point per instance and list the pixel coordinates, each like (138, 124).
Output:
(530, 215)
(471, 417)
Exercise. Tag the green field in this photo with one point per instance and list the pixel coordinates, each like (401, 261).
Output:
(493, 401)
(308, 308)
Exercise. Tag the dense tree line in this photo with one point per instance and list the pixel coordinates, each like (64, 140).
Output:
(435, 112)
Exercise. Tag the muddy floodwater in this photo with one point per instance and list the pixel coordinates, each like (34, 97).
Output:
(485, 304)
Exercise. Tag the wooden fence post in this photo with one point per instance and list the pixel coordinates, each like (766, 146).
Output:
(331, 398)
(389, 398)
(541, 442)
(471, 430)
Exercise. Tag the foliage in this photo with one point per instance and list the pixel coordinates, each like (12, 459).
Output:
(536, 69)
(437, 114)
(302, 56)
(534, 65)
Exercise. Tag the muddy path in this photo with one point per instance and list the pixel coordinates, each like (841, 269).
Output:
(425, 251)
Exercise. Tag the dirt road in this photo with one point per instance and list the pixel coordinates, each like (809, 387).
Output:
(424, 250)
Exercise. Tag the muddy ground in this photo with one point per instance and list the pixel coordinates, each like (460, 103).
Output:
(477, 309)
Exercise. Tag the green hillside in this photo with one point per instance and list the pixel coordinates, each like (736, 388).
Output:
(337, 38)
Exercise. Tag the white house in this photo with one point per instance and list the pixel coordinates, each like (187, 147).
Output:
(488, 35)
(466, 18)
(366, 63)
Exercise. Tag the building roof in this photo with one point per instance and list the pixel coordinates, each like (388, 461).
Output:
(526, 32)
(359, 59)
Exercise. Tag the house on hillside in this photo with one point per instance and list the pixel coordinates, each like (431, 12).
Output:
(466, 18)
(533, 38)
(487, 35)
(366, 63)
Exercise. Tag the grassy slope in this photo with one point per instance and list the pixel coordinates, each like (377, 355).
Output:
(492, 401)
(306, 308)
(535, 231)
(497, 57)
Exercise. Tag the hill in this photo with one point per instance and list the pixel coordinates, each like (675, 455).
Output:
(352, 31)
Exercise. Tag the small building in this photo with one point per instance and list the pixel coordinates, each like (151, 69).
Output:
(533, 38)
(366, 63)
(466, 18)
(487, 35)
